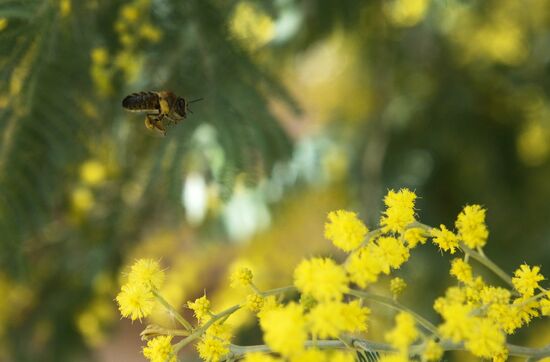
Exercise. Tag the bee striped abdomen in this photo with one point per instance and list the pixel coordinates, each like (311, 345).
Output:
(142, 101)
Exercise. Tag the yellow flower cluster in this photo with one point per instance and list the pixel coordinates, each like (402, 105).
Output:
(133, 24)
(462, 271)
(471, 226)
(397, 286)
(379, 256)
(345, 230)
(404, 333)
(101, 71)
(321, 278)
(251, 26)
(445, 239)
(480, 315)
(241, 277)
(3, 23)
(65, 8)
(136, 299)
(93, 174)
(134, 27)
(472, 231)
(214, 344)
(400, 211)
(406, 13)
(330, 319)
(432, 351)
(201, 308)
(331, 311)
(386, 250)
(160, 349)
(285, 329)
(526, 280)
(254, 302)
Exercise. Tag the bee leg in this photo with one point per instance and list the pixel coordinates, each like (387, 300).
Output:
(160, 127)
(153, 121)
(158, 124)
(174, 119)
(150, 121)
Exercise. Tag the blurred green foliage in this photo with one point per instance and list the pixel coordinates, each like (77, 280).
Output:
(447, 97)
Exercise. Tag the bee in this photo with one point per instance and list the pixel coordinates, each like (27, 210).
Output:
(159, 106)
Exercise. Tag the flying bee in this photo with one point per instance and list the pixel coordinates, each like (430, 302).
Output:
(159, 106)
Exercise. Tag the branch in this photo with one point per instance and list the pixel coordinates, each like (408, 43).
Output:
(395, 305)
(370, 346)
(199, 331)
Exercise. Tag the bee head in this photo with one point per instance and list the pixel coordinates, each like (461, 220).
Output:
(181, 107)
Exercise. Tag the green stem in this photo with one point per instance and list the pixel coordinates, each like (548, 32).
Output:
(395, 305)
(173, 311)
(370, 346)
(488, 263)
(370, 235)
(532, 299)
(153, 331)
(479, 256)
(255, 289)
(199, 331)
(289, 288)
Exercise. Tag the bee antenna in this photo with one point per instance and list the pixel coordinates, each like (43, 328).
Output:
(196, 100)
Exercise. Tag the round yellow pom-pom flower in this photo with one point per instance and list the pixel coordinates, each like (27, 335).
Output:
(150, 32)
(414, 236)
(201, 308)
(212, 349)
(251, 26)
(148, 272)
(458, 321)
(485, 339)
(329, 319)
(130, 13)
(471, 226)
(92, 172)
(326, 320)
(100, 56)
(400, 210)
(321, 278)
(269, 303)
(356, 316)
(241, 277)
(254, 302)
(391, 253)
(526, 280)
(445, 239)
(159, 349)
(284, 329)
(404, 333)
(135, 301)
(364, 266)
(432, 351)
(345, 230)
(462, 271)
(214, 343)
(397, 286)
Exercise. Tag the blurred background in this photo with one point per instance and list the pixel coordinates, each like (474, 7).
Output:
(309, 106)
